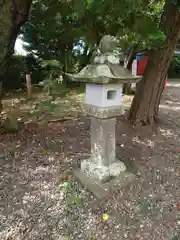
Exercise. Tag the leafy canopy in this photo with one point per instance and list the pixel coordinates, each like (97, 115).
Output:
(56, 26)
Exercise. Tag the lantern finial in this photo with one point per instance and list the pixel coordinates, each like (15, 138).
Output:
(107, 44)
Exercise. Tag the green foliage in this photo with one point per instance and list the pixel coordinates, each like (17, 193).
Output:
(52, 83)
(15, 76)
(174, 69)
(142, 26)
(75, 200)
(13, 14)
(9, 124)
(55, 36)
(51, 69)
(68, 21)
(50, 86)
(46, 106)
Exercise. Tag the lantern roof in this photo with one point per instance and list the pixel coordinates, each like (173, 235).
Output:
(105, 67)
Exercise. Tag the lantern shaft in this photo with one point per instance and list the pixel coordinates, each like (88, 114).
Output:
(102, 164)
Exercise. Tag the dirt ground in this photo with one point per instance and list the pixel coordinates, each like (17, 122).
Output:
(39, 201)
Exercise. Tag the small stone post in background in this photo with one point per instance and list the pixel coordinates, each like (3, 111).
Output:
(28, 85)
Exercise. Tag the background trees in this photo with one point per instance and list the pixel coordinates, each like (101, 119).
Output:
(145, 105)
(68, 31)
(58, 30)
(13, 14)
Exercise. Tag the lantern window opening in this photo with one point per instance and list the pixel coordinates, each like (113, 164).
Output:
(111, 94)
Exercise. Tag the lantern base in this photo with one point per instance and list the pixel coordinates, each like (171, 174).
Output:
(102, 173)
(103, 190)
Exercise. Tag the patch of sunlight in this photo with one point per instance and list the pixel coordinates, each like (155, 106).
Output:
(28, 197)
(61, 107)
(168, 133)
(71, 105)
(174, 108)
(172, 102)
(148, 143)
(15, 101)
(173, 84)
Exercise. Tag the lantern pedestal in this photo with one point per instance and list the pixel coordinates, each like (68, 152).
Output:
(102, 166)
(103, 172)
(103, 190)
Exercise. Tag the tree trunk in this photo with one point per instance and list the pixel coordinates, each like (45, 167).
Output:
(145, 105)
(13, 14)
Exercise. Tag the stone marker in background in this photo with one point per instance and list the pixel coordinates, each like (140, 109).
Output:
(28, 85)
(104, 102)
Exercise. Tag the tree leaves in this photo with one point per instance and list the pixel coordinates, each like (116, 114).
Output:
(55, 26)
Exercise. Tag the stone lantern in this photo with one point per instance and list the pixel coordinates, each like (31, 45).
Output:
(104, 102)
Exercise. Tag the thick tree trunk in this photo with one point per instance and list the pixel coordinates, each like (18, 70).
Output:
(13, 14)
(145, 105)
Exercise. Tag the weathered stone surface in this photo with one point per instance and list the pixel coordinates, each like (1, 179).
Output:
(104, 113)
(96, 172)
(105, 58)
(103, 146)
(102, 164)
(116, 168)
(102, 173)
(103, 74)
(96, 189)
(102, 190)
(108, 43)
(104, 96)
